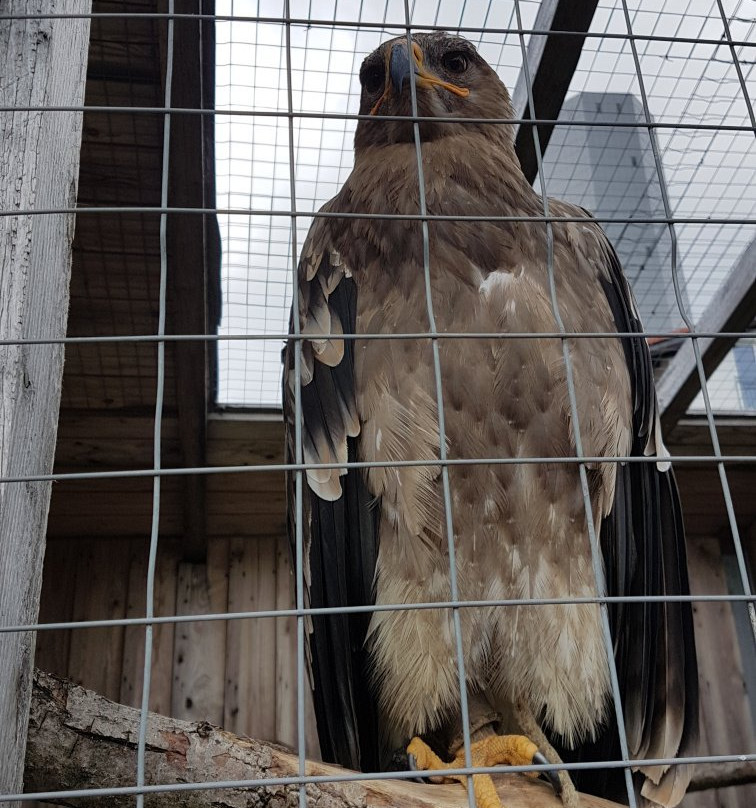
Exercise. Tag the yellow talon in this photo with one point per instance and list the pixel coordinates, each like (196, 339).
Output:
(426, 758)
(512, 750)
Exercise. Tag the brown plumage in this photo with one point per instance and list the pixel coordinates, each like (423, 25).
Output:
(378, 535)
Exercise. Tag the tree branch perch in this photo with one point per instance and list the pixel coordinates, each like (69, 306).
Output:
(80, 740)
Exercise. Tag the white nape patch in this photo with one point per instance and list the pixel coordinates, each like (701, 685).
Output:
(378, 439)
(499, 279)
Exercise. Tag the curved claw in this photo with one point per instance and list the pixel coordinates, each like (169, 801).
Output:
(412, 765)
(552, 774)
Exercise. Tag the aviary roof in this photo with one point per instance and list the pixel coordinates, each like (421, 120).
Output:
(709, 172)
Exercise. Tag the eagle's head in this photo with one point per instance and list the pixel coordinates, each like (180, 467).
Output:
(452, 80)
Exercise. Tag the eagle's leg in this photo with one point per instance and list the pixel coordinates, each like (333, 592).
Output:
(513, 750)
(526, 720)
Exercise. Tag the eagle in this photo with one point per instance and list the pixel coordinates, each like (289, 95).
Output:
(387, 459)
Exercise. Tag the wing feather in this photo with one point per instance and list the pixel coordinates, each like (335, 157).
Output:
(643, 545)
(339, 518)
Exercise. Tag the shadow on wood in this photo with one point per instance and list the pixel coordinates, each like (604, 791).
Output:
(100, 737)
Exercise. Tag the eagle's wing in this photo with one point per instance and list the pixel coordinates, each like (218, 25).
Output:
(644, 553)
(339, 532)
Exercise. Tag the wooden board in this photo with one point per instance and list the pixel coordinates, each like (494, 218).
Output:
(286, 650)
(113, 442)
(96, 655)
(161, 680)
(250, 707)
(243, 439)
(131, 276)
(286, 663)
(123, 507)
(56, 606)
(117, 234)
(703, 501)
(691, 436)
(726, 726)
(112, 507)
(199, 652)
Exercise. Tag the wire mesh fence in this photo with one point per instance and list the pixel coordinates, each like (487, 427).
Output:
(656, 138)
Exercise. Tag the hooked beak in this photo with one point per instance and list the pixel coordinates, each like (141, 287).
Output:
(399, 67)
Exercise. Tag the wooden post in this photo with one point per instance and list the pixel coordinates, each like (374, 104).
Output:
(193, 254)
(43, 64)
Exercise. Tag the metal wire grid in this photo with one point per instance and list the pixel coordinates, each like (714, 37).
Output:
(690, 83)
(454, 604)
(732, 386)
(325, 61)
(124, 44)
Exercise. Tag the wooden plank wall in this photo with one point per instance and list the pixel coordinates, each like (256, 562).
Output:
(241, 674)
(726, 716)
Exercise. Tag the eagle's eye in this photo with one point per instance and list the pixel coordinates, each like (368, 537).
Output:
(372, 79)
(454, 62)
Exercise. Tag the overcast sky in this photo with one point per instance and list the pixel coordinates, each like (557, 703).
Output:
(708, 172)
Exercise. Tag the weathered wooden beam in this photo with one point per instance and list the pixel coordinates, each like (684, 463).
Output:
(722, 775)
(99, 737)
(733, 308)
(193, 252)
(691, 435)
(44, 62)
(551, 61)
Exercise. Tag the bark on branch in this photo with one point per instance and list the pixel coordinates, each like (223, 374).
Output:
(80, 740)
